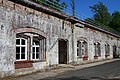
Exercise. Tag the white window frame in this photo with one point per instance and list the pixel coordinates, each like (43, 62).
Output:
(97, 46)
(35, 46)
(28, 46)
(20, 45)
(107, 49)
(81, 48)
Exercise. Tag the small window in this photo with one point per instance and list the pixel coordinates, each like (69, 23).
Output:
(36, 49)
(21, 49)
(107, 49)
(81, 48)
(97, 49)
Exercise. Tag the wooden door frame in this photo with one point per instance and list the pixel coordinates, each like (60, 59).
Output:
(67, 44)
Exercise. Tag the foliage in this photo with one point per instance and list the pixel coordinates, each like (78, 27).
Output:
(115, 23)
(54, 4)
(101, 13)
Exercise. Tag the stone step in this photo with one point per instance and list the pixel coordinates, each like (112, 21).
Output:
(24, 71)
(66, 66)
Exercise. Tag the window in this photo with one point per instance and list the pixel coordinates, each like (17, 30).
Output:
(119, 50)
(97, 49)
(82, 48)
(35, 49)
(107, 49)
(21, 49)
(30, 46)
(115, 54)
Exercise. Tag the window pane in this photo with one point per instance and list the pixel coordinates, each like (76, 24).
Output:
(35, 42)
(33, 49)
(77, 52)
(17, 56)
(37, 56)
(23, 50)
(22, 56)
(23, 42)
(37, 49)
(17, 50)
(17, 41)
(33, 56)
(77, 44)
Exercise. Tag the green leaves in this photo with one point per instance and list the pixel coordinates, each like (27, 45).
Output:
(101, 13)
(115, 22)
(107, 21)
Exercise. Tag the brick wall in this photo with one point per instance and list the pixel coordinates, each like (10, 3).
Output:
(23, 64)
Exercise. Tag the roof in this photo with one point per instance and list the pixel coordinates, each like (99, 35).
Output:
(61, 15)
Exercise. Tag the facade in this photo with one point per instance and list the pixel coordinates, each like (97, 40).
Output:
(32, 39)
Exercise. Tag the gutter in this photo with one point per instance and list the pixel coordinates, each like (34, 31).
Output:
(46, 10)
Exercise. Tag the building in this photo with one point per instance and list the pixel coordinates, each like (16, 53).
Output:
(33, 37)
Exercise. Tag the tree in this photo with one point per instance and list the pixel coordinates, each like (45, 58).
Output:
(101, 13)
(115, 23)
(54, 4)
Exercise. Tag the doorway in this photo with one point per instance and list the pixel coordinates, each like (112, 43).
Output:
(63, 50)
(115, 55)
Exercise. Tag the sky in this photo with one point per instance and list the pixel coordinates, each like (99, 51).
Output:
(82, 6)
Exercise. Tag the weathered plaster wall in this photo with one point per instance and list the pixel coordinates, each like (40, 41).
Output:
(93, 36)
(15, 18)
(7, 43)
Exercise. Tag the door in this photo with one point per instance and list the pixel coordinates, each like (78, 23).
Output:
(62, 49)
(115, 55)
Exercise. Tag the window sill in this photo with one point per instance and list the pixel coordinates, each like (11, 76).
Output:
(95, 57)
(85, 57)
(35, 61)
(23, 61)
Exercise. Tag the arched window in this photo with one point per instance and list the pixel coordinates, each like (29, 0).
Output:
(30, 46)
(97, 49)
(107, 49)
(21, 49)
(82, 48)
